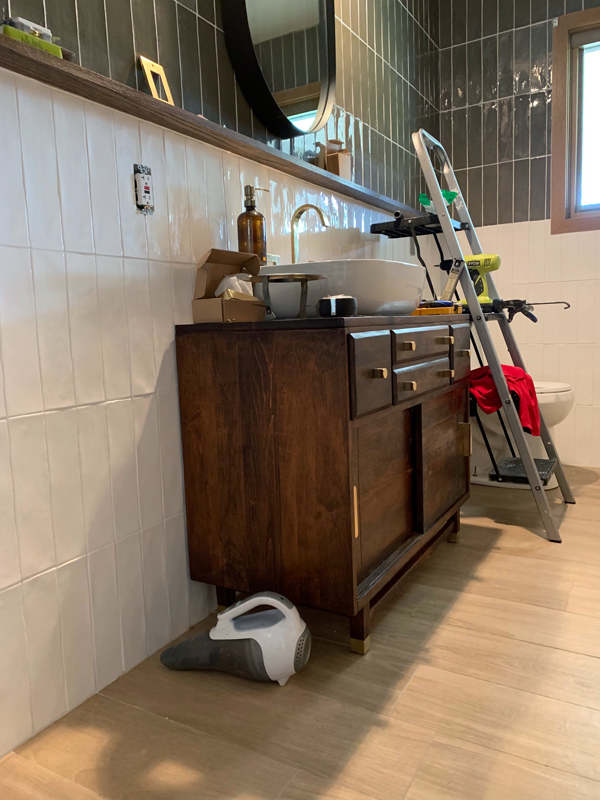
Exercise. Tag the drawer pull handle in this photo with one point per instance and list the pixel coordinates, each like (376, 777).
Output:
(409, 386)
(446, 373)
(409, 345)
(380, 372)
(355, 492)
(445, 340)
(463, 353)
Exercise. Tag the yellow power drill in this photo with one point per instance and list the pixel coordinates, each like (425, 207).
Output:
(478, 267)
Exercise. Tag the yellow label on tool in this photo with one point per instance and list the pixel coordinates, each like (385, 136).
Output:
(487, 262)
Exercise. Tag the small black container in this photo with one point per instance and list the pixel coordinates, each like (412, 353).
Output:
(337, 307)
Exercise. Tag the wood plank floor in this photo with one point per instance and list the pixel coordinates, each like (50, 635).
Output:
(483, 682)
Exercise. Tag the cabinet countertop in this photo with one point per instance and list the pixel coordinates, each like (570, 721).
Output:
(322, 323)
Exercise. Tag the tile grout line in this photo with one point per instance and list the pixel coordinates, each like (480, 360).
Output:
(389, 712)
(288, 784)
(128, 326)
(196, 731)
(46, 770)
(455, 624)
(456, 737)
(158, 424)
(105, 12)
(422, 759)
(133, 47)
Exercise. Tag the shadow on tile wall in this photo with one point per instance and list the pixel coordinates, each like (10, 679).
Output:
(496, 102)
(388, 71)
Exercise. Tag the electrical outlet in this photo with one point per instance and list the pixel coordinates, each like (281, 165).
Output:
(144, 191)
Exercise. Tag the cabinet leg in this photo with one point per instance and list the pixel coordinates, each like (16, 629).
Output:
(454, 530)
(360, 631)
(225, 597)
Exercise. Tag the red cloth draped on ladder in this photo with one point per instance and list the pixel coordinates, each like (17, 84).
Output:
(521, 387)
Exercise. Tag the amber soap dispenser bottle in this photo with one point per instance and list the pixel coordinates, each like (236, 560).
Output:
(252, 234)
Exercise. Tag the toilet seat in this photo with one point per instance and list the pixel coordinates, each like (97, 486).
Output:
(546, 387)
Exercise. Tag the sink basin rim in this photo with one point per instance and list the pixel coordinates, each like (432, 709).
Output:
(382, 287)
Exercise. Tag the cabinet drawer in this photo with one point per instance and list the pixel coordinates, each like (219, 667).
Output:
(370, 372)
(411, 343)
(461, 350)
(413, 381)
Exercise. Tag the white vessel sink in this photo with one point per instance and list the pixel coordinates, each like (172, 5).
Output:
(380, 287)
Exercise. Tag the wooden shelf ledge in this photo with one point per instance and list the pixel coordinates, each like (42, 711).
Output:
(25, 60)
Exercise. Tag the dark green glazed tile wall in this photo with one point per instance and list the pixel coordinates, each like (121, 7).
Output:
(388, 86)
(508, 76)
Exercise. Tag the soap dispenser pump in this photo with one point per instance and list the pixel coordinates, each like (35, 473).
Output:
(252, 233)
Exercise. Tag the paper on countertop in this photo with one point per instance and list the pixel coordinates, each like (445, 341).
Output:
(235, 284)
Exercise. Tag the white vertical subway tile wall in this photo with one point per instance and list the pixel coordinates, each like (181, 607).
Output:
(563, 346)
(93, 560)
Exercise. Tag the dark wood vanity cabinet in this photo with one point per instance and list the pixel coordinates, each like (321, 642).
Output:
(322, 458)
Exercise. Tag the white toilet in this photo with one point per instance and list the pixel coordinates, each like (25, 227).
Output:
(555, 400)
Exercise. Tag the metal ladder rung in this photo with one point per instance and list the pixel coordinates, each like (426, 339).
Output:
(512, 470)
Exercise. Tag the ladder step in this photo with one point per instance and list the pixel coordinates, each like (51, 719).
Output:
(512, 470)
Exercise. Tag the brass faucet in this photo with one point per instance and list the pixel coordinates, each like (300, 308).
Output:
(296, 219)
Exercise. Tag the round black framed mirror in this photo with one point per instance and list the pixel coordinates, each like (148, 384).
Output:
(283, 55)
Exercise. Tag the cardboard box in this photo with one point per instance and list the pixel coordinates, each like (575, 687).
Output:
(218, 309)
(340, 164)
(327, 149)
(215, 265)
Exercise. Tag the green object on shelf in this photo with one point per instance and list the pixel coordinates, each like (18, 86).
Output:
(448, 196)
(34, 41)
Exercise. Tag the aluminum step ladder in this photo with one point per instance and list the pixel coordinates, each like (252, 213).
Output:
(426, 146)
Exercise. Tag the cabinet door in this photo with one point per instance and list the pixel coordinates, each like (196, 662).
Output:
(386, 486)
(445, 448)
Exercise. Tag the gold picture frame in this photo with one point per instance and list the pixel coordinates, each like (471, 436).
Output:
(151, 70)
